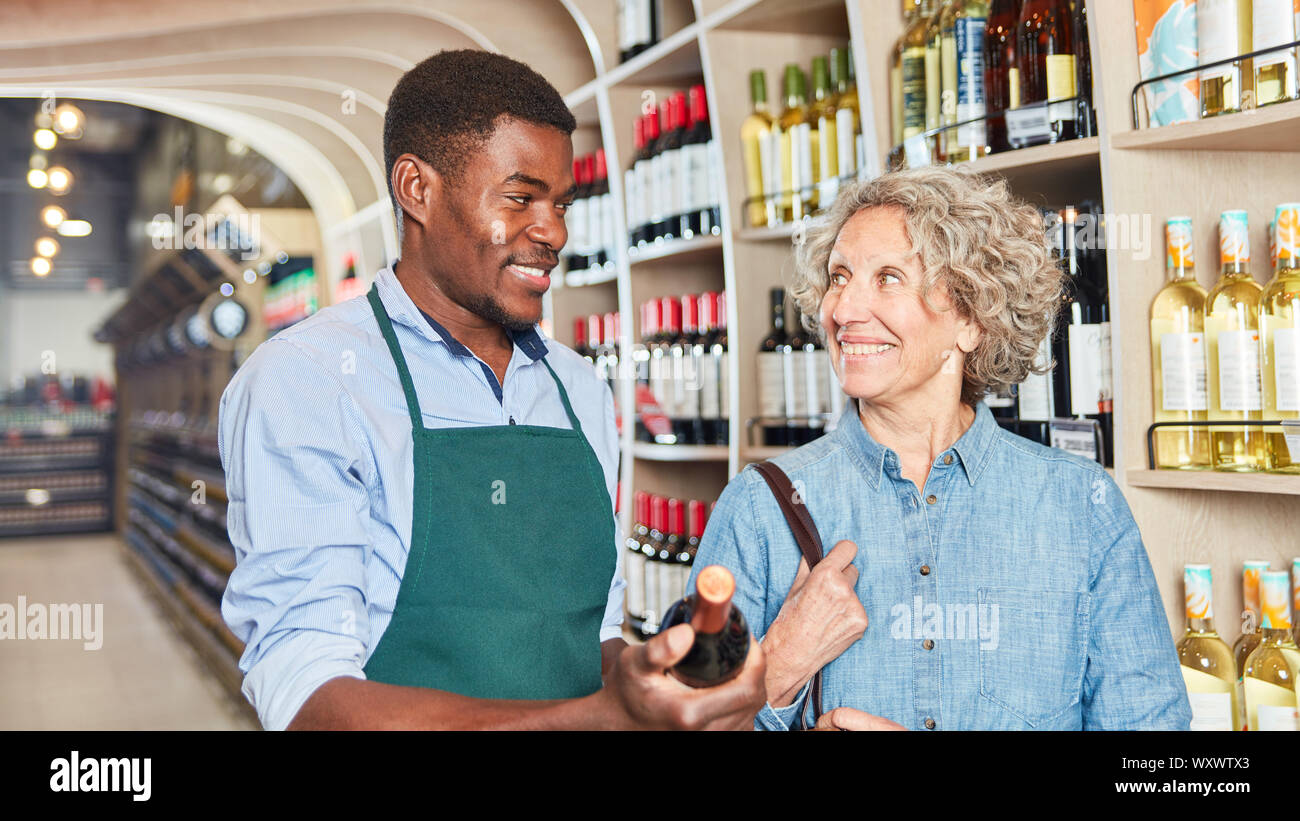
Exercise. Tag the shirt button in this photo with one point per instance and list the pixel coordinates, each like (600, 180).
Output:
(925, 570)
(947, 458)
(931, 499)
(929, 724)
(928, 644)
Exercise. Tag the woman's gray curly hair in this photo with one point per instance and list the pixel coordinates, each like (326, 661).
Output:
(986, 247)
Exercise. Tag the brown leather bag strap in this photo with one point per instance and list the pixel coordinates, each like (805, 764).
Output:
(805, 535)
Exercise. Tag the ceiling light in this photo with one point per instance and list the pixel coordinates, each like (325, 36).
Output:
(52, 215)
(74, 228)
(68, 119)
(45, 139)
(38, 160)
(47, 247)
(37, 178)
(222, 183)
(235, 147)
(41, 266)
(60, 179)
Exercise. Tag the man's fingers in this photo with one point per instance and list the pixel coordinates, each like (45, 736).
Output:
(842, 555)
(851, 574)
(666, 649)
(800, 576)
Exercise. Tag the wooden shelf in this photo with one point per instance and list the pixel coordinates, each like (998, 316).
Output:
(1215, 480)
(784, 231)
(808, 17)
(679, 453)
(675, 60)
(1272, 128)
(588, 276)
(1040, 158)
(675, 248)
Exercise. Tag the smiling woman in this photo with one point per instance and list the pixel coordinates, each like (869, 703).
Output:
(932, 287)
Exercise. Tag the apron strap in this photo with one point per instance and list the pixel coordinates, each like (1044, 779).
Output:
(564, 397)
(408, 387)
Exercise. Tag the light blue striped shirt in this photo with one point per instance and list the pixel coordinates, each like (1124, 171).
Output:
(316, 443)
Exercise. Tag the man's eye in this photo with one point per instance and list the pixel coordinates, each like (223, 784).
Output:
(522, 199)
(564, 206)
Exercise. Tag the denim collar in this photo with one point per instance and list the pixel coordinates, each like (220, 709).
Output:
(401, 309)
(972, 447)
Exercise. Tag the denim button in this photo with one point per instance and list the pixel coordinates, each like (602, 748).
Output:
(929, 724)
(931, 499)
(928, 644)
(947, 458)
(925, 570)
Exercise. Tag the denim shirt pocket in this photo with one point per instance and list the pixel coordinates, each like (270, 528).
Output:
(1034, 668)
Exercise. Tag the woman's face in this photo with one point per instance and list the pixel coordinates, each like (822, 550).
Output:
(886, 345)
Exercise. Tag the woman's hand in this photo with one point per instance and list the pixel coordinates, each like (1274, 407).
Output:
(822, 616)
(847, 718)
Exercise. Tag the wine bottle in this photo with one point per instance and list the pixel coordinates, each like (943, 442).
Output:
(1047, 61)
(685, 379)
(915, 83)
(663, 168)
(1223, 30)
(721, 634)
(676, 568)
(825, 146)
(709, 363)
(639, 27)
(580, 346)
(1178, 363)
(1250, 617)
(1086, 115)
(674, 112)
(634, 560)
(1001, 68)
(699, 518)
(934, 78)
(795, 135)
(575, 220)
(896, 79)
(961, 26)
(600, 214)
(761, 155)
(638, 188)
(1232, 330)
(848, 123)
(641, 359)
(1269, 677)
(720, 350)
(1273, 24)
(771, 375)
(1279, 328)
(697, 206)
(1206, 662)
(1081, 351)
(610, 344)
(653, 548)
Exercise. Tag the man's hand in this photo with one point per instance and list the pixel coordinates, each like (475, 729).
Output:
(643, 696)
(847, 718)
(821, 617)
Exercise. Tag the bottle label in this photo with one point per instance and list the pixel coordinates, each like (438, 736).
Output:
(913, 91)
(933, 85)
(1179, 252)
(1268, 706)
(792, 379)
(724, 387)
(709, 381)
(608, 234)
(671, 191)
(1036, 393)
(1216, 33)
(645, 187)
(689, 380)
(651, 414)
(1107, 398)
(1277, 718)
(1086, 395)
(576, 220)
(713, 174)
(632, 194)
(1182, 368)
(828, 384)
(659, 376)
(1286, 368)
(771, 385)
(828, 180)
(634, 573)
(1272, 24)
(1239, 376)
(846, 154)
(801, 161)
(596, 223)
(652, 611)
(970, 81)
(812, 382)
(1197, 593)
(1211, 699)
(1013, 87)
(769, 150)
(1061, 84)
(695, 178)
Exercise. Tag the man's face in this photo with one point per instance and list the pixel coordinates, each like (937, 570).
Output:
(504, 223)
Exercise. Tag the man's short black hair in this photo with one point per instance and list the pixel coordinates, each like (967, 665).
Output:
(447, 106)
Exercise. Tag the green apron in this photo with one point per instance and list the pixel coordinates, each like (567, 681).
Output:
(511, 559)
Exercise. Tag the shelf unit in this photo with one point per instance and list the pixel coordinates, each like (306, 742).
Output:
(1245, 160)
(55, 478)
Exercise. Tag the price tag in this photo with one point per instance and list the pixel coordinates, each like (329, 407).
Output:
(1291, 432)
(917, 151)
(1075, 436)
(1028, 126)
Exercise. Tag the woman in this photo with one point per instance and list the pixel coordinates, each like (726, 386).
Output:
(978, 580)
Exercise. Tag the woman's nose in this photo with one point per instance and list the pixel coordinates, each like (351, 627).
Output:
(855, 304)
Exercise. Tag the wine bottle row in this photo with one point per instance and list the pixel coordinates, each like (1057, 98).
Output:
(658, 556)
(1229, 354)
(590, 219)
(673, 185)
(798, 392)
(639, 26)
(796, 161)
(1251, 686)
(1014, 73)
(1080, 383)
(682, 387)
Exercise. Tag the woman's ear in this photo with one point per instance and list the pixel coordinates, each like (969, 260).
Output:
(969, 334)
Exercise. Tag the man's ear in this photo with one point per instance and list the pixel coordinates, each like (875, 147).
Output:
(417, 187)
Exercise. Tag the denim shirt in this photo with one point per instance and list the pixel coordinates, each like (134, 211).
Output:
(1012, 592)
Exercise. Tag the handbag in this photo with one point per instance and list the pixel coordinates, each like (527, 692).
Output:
(805, 535)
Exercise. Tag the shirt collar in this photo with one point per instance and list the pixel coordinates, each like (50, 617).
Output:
(972, 447)
(401, 309)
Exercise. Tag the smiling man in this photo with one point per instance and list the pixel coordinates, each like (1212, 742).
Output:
(421, 486)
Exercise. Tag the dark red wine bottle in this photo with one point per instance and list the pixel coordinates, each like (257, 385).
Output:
(721, 634)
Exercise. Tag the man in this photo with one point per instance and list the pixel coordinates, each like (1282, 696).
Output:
(420, 485)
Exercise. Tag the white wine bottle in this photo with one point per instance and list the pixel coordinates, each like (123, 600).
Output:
(1207, 666)
(1249, 638)
(962, 29)
(1178, 365)
(1223, 30)
(762, 168)
(1269, 679)
(1279, 329)
(1273, 24)
(1232, 329)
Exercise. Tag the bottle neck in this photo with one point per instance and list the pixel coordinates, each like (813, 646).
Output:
(1203, 625)
(1274, 636)
(1235, 269)
(1181, 273)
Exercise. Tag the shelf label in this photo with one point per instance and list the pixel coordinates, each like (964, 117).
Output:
(1028, 126)
(1075, 436)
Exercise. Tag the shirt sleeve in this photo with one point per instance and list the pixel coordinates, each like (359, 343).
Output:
(732, 540)
(612, 625)
(298, 464)
(1132, 680)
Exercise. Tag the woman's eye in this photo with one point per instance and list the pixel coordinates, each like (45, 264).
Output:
(838, 278)
(886, 276)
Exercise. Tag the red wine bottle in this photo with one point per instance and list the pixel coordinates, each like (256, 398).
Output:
(721, 634)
